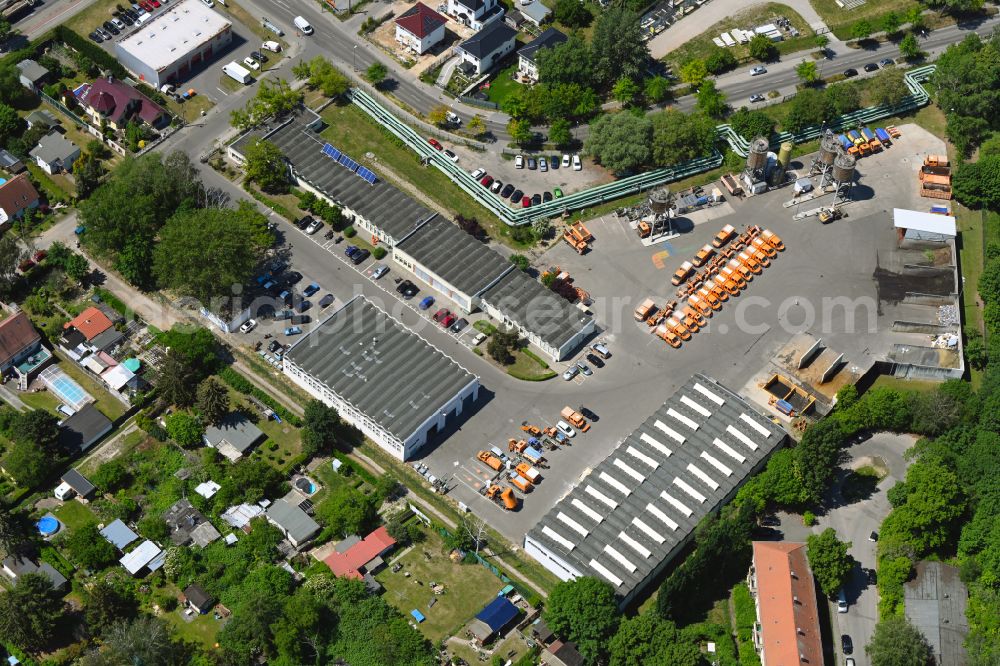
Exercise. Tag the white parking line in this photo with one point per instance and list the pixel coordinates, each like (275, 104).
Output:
(223, 92)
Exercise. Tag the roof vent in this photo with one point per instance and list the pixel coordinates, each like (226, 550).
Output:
(795, 599)
(800, 631)
(794, 575)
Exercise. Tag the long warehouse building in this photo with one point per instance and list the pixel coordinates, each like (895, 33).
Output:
(387, 381)
(175, 44)
(470, 273)
(635, 511)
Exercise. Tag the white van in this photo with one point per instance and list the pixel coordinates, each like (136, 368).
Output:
(273, 47)
(303, 25)
(238, 73)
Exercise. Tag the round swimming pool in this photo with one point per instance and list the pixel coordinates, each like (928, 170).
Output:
(47, 526)
(305, 485)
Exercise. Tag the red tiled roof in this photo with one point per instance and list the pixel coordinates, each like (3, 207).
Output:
(91, 323)
(115, 99)
(16, 333)
(347, 563)
(420, 20)
(786, 595)
(17, 194)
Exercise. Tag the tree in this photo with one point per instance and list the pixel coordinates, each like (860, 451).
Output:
(212, 400)
(751, 124)
(809, 107)
(617, 47)
(829, 560)
(77, 268)
(909, 48)
(711, 100)
(896, 642)
(915, 17)
(346, 511)
(569, 62)
(559, 132)
(657, 89)
(376, 73)
(807, 71)
(720, 60)
(520, 261)
(646, 640)
(520, 131)
(196, 344)
(476, 125)
(207, 253)
(30, 611)
(88, 548)
(693, 72)
(889, 87)
(321, 425)
(105, 604)
(761, 48)
(27, 463)
(265, 165)
(934, 501)
(143, 640)
(977, 185)
(500, 344)
(320, 74)
(620, 141)
(890, 23)
(817, 456)
(110, 476)
(185, 429)
(274, 99)
(821, 41)
(572, 14)
(177, 379)
(678, 137)
(11, 124)
(438, 115)
(5, 30)
(16, 529)
(861, 30)
(843, 98)
(35, 426)
(625, 90)
(583, 611)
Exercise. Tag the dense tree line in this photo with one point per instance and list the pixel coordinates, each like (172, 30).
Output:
(35, 449)
(625, 142)
(967, 88)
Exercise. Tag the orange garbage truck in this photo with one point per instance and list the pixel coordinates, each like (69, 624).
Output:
(575, 418)
(490, 460)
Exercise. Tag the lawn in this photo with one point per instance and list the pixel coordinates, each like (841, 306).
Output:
(528, 369)
(73, 514)
(840, 20)
(702, 45)
(886, 381)
(191, 109)
(105, 402)
(238, 13)
(99, 12)
(356, 134)
(288, 439)
(202, 629)
(41, 400)
(503, 84)
(468, 588)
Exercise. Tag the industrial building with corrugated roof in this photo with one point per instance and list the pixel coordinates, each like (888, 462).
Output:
(629, 516)
(387, 381)
(377, 209)
(175, 43)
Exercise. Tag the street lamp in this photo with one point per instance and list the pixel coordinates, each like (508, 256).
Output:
(355, 53)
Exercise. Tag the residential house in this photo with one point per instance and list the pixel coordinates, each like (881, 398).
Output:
(527, 56)
(234, 436)
(514, 19)
(117, 103)
(361, 558)
(487, 47)
(562, 653)
(55, 153)
(16, 196)
(90, 331)
(787, 629)
(536, 12)
(197, 599)
(15, 566)
(118, 534)
(476, 13)
(147, 556)
(493, 620)
(80, 431)
(75, 484)
(420, 28)
(188, 525)
(41, 118)
(19, 341)
(10, 163)
(32, 75)
(293, 522)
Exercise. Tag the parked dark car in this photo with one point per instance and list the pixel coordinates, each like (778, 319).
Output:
(300, 319)
(596, 362)
(302, 305)
(305, 222)
(871, 67)
(326, 301)
(516, 196)
(258, 56)
(281, 315)
(546, 196)
(506, 192)
(532, 163)
(360, 256)
(848, 73)
(293, 277)
(846, 644)
(459, 325)
(310, 290)
(110, 27)
(536, 199)
(407, 289)
(96, 37)
(351, 250)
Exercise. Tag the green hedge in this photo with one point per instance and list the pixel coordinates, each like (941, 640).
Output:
(349, 232)
(379, 252)
(355, 468)
(532, 355)
(273, 205)
(245, 386)
(100, 57)
(530, 378)
(116, 303)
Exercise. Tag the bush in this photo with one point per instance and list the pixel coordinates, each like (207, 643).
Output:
(808, 519)
(379, 252)
(92, 51)
(243, 385)
(349, 232)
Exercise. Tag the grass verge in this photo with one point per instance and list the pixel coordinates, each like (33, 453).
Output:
(840, 21)
(528, 369)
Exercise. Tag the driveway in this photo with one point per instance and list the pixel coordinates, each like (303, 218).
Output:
(854, 522)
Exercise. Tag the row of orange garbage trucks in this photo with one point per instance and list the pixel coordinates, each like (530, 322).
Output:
(865, 141)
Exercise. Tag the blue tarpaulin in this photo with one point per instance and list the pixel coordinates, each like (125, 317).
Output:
(417, 615)
(497, 613)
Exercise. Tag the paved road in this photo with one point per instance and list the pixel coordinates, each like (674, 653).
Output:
(854, 522)
(48, 14)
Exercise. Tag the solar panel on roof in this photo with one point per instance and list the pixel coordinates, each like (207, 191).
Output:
(331, 152)
(347, 162)
(367, 175)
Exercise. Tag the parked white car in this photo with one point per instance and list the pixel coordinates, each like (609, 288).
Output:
(566, 429)
(251, 63)
(248, 325)
(519, 162)
(478, 173)
(565, 161)
(577, 164)
(273, 47)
